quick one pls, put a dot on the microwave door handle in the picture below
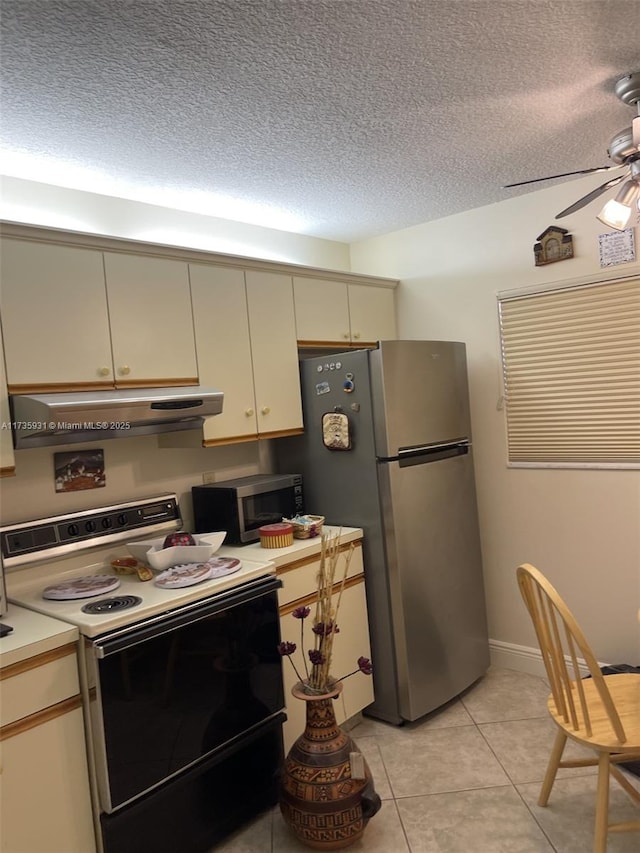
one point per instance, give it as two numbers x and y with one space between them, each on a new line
241 520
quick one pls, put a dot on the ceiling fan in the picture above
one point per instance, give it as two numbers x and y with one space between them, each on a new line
624 151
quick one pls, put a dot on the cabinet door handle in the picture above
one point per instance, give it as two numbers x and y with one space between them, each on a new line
356 335
265 410
249 412
124 370
104 371
346 336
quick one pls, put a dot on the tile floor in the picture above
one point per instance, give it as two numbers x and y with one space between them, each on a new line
465 779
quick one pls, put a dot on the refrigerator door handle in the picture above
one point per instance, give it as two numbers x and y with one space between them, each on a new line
430 452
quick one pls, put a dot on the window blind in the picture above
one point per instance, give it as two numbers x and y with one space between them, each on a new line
571 364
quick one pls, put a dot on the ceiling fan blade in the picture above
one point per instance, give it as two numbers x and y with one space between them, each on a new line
589 197
561 175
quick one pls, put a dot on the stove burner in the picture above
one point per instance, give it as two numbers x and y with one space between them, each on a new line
112 605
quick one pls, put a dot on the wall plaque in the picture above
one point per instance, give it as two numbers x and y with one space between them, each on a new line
554 244
617 247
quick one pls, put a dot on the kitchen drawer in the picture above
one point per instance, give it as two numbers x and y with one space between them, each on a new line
300 579
37 683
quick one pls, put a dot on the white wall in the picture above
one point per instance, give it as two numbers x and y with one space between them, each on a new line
72 210
580 527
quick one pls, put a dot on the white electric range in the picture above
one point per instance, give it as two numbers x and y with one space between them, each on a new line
41 553
182 687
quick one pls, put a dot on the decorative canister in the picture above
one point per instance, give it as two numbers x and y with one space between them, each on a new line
278 535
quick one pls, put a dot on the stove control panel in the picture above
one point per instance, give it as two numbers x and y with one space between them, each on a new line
64 534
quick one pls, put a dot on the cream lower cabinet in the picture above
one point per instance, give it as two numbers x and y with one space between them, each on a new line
245 337
338 313
45 805
352 641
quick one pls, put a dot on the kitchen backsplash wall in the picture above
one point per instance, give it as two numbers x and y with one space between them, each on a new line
134 468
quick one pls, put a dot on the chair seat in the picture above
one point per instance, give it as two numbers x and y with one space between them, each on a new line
625 692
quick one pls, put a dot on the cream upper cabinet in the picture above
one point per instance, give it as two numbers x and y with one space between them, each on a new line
274 350
224 350
77 318
7 458
54 316
336 312
322 310
151 321
245 337
372 313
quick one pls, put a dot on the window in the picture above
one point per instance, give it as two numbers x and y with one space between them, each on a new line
571 365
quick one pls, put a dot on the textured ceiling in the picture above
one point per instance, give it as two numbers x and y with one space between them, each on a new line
337 118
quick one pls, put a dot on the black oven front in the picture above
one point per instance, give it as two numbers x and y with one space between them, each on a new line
181 706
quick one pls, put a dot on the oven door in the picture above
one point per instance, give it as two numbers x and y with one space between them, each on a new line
170 692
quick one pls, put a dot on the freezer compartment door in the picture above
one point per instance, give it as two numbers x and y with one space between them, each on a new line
420 394
435 580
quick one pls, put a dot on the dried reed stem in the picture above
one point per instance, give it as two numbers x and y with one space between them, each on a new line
325 614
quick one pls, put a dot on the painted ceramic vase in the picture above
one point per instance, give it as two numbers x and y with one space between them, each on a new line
323 805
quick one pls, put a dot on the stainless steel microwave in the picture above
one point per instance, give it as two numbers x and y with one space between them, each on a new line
244 505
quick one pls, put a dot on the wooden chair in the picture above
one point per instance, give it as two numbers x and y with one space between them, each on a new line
601 712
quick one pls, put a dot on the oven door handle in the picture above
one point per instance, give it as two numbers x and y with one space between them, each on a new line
124 638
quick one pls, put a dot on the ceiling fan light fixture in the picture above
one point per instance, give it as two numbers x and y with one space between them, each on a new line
617 211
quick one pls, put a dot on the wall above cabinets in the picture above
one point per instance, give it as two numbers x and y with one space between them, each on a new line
83 312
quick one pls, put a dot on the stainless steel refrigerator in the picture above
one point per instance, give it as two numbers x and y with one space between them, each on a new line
387 447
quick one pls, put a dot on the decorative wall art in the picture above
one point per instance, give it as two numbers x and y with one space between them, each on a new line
78 470
617 247
554 244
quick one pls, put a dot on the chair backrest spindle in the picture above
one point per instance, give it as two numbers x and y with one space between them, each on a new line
561 640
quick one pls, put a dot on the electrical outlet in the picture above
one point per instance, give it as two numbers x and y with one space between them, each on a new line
209 477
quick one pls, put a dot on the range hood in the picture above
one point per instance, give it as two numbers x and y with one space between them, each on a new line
41 420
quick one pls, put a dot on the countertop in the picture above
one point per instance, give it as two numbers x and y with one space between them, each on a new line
300 549
33 633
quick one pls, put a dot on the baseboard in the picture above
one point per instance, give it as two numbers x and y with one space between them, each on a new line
523 658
